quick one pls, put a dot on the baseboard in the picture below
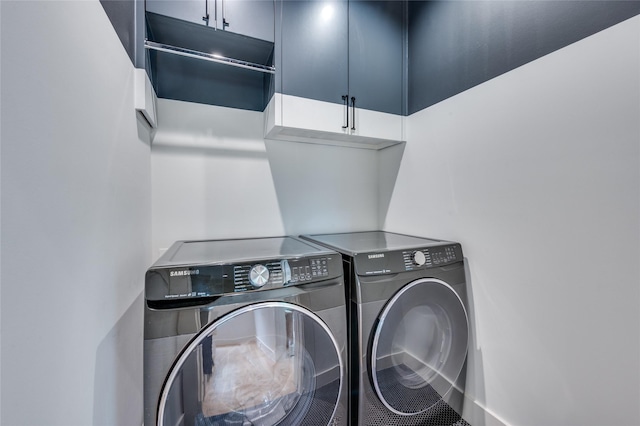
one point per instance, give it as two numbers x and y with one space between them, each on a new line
477 415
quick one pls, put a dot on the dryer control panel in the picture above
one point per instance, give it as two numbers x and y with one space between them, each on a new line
429 257
393 262
206 281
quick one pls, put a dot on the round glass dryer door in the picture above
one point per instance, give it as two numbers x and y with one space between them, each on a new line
419 346
271 363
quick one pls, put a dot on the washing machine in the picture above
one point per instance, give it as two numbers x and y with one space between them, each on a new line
245 332
409 329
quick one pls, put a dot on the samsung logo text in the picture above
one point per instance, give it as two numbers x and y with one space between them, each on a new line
184 273
376 256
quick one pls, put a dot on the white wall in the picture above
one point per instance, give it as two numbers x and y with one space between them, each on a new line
0 218
75 219
537 173
214 176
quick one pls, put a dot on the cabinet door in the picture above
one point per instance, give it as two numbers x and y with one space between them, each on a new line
314 50
313 72
377 66
252 18
186 10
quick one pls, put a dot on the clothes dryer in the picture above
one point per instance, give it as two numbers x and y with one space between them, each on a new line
408 329
245 332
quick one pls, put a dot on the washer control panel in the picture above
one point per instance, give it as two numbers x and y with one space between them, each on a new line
393 262
190 282
305 270
280 274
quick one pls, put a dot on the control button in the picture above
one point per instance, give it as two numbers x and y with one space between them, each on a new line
419 258
258 275
286 269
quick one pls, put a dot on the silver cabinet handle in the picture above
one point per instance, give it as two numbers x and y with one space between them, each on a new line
205 18
353 112
225 24
345 98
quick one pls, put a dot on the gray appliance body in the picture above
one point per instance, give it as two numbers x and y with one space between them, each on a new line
409 328
248 331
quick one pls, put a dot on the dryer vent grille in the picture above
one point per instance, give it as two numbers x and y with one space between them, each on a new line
402 398
376 414
439 415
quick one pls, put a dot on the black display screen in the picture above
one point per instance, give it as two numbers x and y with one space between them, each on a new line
211 281
189 282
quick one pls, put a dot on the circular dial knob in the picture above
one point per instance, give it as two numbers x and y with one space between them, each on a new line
419 258
258 275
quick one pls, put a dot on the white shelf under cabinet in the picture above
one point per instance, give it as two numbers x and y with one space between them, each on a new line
297 119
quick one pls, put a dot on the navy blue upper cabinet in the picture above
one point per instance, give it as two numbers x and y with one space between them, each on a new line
252 18
377 55
312 50
340 72
179 39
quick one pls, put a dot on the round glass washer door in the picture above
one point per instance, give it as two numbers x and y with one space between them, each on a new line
419 346
271 363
